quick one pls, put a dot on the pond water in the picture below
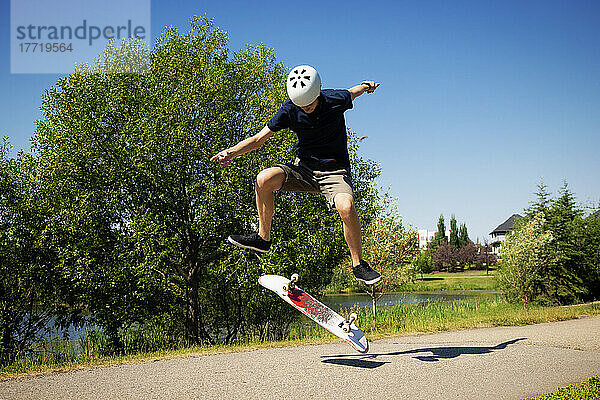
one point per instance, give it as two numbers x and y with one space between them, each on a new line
339 301
334 301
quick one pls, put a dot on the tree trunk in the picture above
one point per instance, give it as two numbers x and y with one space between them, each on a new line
194 328
526 303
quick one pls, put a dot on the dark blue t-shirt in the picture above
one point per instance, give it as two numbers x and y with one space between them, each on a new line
322 133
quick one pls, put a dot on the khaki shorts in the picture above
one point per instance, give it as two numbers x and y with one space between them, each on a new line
300 177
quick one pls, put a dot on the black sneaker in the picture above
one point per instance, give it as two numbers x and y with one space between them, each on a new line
250 241
363 272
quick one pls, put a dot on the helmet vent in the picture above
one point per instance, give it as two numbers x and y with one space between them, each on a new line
303 85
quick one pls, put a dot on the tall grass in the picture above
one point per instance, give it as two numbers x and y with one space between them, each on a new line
401 319
472 312
92 346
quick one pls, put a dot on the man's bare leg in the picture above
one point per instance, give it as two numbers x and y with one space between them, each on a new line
268 182
344 204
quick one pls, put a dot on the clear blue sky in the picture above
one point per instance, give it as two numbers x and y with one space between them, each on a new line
479 100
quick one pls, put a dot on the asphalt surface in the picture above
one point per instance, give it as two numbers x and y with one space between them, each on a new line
489 363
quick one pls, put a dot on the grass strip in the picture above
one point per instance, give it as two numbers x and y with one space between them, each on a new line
397 320
589 390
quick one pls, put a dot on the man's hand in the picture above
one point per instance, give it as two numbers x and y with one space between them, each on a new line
252 143
364 87
371 86
223 157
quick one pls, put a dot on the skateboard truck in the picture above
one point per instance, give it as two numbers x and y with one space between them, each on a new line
291 284
346 324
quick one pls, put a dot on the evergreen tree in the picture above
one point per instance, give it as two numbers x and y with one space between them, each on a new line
440 236
463 235
542 204
589 243
563 282
441 228
454 233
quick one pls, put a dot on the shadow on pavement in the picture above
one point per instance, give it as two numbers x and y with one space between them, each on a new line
437 354
355 362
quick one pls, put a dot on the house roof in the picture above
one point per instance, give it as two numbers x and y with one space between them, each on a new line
507 225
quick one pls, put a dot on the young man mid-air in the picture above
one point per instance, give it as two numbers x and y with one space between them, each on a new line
322 162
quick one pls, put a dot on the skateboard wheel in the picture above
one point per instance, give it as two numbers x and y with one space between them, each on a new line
286 287
346 328
353 317
295 277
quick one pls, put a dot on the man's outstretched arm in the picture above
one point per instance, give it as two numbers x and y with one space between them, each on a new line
252 143
366 86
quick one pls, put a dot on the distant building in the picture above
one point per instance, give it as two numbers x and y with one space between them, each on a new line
499 234
426 237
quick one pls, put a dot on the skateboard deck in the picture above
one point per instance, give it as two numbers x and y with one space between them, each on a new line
316 311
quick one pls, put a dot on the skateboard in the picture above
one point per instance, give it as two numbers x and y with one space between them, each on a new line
343 328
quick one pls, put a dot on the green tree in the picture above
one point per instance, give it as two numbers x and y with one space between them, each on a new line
126 162
463 236
424 264
440 237
32 292
589 243
572 277
526 255
564 283
454 241
542 203
139 213
391 250
441 227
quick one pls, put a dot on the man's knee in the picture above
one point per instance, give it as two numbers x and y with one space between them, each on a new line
344 204
270 179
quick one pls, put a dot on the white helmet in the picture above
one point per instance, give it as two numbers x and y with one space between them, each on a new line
303 85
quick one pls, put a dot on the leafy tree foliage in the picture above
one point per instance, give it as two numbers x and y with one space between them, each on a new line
526 255
441 235
390 249
424 264
441 226
445 257
136 213
589 244
454 241
467 254
463 236
32 292
456 252
573 275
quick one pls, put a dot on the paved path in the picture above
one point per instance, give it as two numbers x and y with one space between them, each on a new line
489 363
